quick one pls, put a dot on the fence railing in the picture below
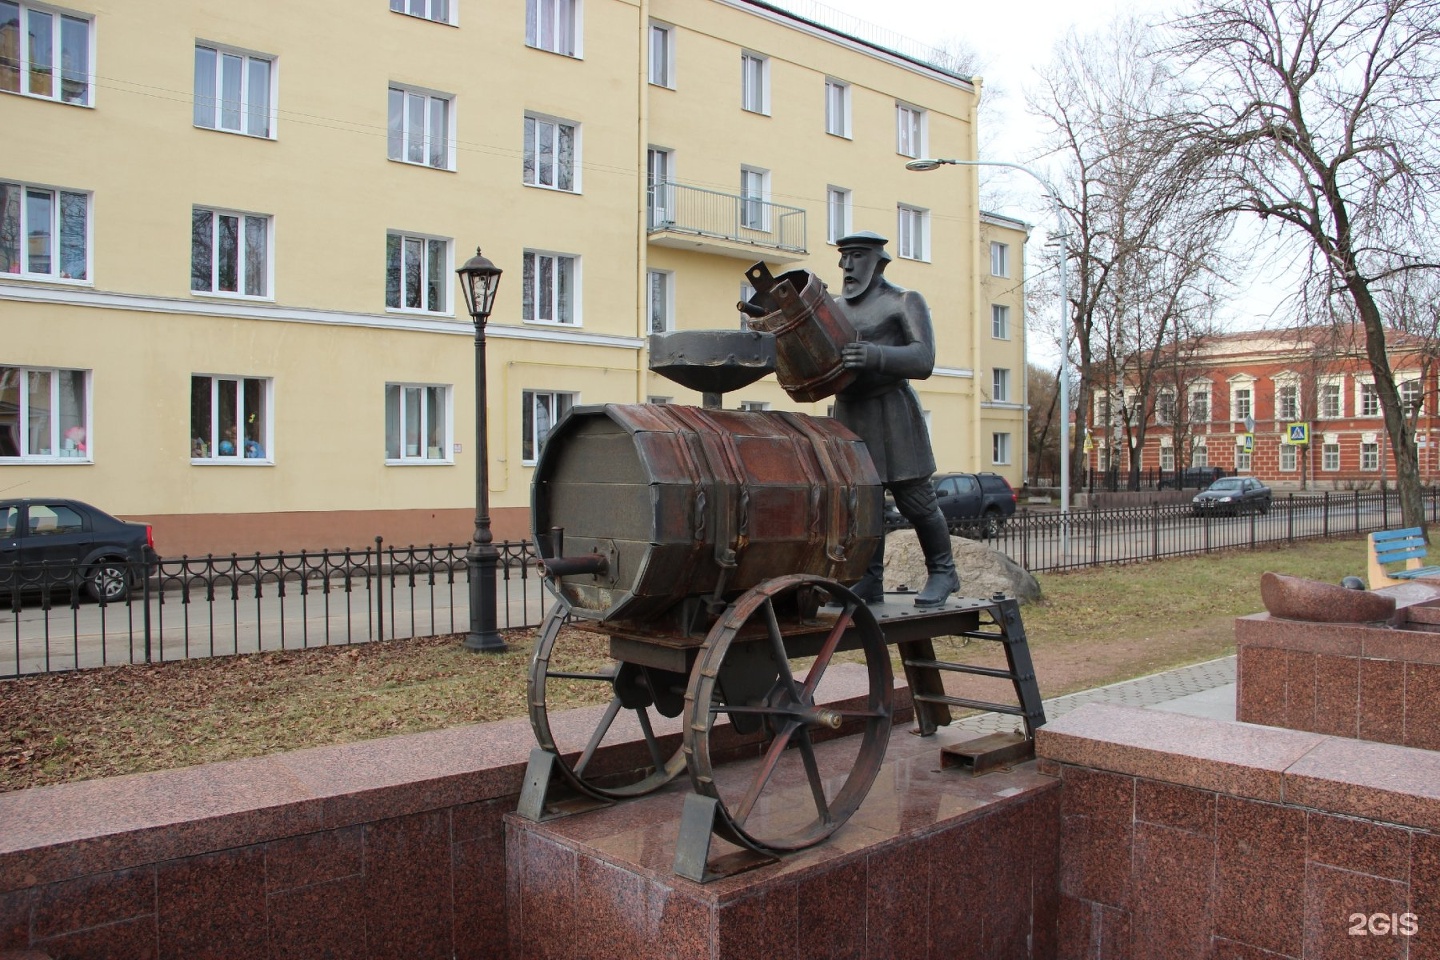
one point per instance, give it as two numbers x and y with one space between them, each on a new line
218 606
680 208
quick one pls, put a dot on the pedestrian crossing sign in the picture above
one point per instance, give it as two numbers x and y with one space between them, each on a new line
1247 443
1297 433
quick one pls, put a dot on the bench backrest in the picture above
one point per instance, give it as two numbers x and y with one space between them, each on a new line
1393 545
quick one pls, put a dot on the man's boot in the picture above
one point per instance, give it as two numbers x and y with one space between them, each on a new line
934 539
871 587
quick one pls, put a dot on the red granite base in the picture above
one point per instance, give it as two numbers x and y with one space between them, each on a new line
933 864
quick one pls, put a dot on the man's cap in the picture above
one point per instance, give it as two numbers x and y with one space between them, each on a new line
865 238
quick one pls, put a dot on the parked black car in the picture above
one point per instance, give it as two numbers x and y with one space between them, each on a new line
1233 495
974 504
45 543
1193 478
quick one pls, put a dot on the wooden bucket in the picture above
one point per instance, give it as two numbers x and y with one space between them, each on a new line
810 332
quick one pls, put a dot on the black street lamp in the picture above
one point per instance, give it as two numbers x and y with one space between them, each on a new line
479 278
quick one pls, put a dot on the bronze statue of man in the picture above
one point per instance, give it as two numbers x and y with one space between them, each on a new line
896 345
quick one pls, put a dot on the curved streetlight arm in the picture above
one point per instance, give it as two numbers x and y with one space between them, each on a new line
935 164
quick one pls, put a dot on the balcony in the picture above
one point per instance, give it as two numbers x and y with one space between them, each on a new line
692 218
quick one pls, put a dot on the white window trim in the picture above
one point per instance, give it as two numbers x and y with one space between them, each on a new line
451 19
268 444
922 216
55 257
1335 381
667 308
448 394
922 133
763 199
576 320
1325 460
575 152
58 75
746 55
834 231
577 31
1004 318
23 419
1284 382
845 129
1004 248
1001 439
1000 377
1236 384
269 295
1291 451
450 114
272 112
667 79
525 411
1366 448
447 307
1360 384
1193 391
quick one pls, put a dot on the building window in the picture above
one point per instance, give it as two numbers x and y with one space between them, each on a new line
661 300
1332 401
550 153
837 206
1000 448
44 233
1330 456
551 25
229 418
1242 459
229 253
1000 385
1289 458
417 273
662 54
1240 406
747 293
550 287
837 108
417 423
1411 396
1369 401
660 177
999 321
44 413
754 197
1165 408
999 259
419 130
1167 458
437 10
1200 455
914 233
755 83
1369 456
909 130
1287 402
232 91
1200 406
542 410
54 60
754 406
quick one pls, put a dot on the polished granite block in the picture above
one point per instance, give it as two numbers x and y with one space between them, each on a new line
935 863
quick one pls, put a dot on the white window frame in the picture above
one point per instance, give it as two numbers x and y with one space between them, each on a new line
999 321
1412 395
1323 393
436 11
1199 453
532 403
403 395
1000 449
73 443
911 130
554 26
913 233
837 108
1203 394
1370 456
401 137
662 54
1330 457
537 300
754 210
210 112
1289 458
1000 384
59 73
1167 458
1287 394
215 431
999 259
540 128
660 300
17 246
1366 390
754 83
1165 408
1242 401
404 242
1243 459
243 266
838 208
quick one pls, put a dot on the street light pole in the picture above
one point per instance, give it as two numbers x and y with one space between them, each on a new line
479 279
925 165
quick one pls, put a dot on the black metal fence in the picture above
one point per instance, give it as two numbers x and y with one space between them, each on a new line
218 606
215 606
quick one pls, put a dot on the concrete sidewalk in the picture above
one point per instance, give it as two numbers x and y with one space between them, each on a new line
1202 690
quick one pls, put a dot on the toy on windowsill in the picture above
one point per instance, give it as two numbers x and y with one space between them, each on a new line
74 445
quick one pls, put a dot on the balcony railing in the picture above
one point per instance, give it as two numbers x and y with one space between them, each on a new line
736 221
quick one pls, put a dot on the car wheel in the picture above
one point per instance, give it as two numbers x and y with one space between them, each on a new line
109 581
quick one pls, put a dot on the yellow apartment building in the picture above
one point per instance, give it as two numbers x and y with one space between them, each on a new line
228 235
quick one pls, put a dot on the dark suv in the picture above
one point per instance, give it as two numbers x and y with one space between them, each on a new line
974 504
47 543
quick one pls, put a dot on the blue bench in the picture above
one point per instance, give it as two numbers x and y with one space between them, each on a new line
1393 546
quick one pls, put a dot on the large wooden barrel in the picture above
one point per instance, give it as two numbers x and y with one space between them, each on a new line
682 500
810 332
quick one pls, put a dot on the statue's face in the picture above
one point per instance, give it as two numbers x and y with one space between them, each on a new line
857 267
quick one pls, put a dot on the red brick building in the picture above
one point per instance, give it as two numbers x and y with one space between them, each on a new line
1203 406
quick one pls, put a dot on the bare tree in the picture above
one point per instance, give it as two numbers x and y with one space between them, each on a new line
1320 116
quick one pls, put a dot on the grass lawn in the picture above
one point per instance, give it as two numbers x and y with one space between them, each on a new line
1093 627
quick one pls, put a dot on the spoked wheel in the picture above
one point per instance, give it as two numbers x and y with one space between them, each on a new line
578 670
796 795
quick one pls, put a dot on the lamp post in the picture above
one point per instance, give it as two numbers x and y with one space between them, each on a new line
479 279
925 165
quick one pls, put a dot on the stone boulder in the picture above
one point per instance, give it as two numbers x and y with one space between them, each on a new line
983 571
